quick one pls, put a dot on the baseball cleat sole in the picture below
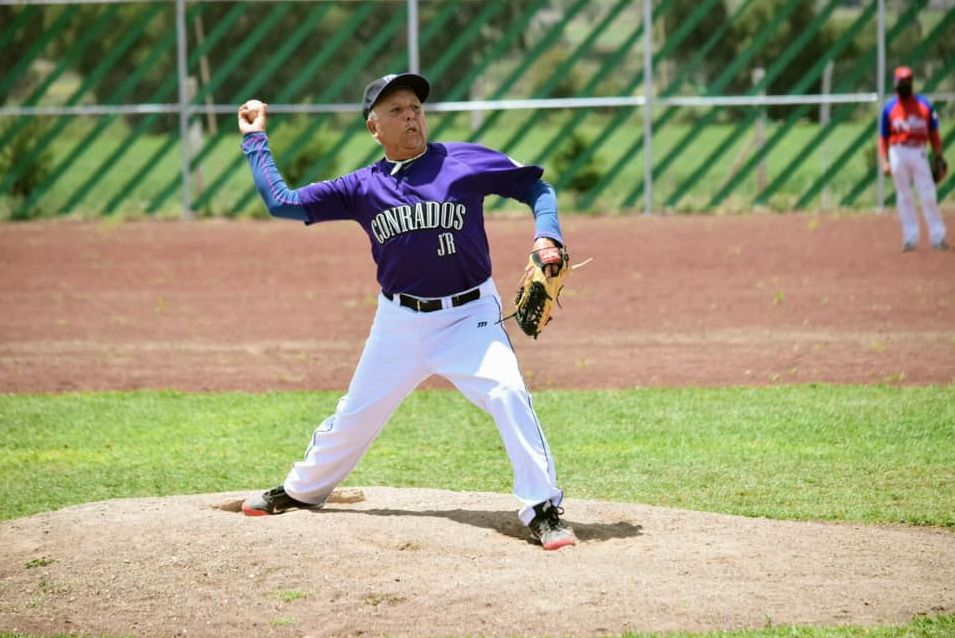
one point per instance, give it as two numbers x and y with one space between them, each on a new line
564 540
251 511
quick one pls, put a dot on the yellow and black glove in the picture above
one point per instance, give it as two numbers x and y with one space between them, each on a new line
539 289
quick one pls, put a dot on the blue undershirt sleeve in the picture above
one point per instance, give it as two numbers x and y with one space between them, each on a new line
279 199
543 201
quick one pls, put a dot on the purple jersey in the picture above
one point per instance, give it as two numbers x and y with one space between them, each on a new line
425 220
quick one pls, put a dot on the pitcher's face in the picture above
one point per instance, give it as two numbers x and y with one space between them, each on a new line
399 125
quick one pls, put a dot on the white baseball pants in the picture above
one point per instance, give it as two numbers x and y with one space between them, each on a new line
910 168
465 345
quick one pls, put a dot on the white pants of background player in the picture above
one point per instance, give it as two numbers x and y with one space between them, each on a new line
910 168
465 345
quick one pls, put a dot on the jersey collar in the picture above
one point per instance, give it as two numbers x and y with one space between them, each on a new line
398 164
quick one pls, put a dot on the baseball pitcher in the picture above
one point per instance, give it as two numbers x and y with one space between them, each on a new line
438 312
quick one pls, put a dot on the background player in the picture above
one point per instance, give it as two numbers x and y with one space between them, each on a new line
908 123
438 311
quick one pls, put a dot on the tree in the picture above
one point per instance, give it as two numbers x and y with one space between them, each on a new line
754 21
30 19
678 14
149 29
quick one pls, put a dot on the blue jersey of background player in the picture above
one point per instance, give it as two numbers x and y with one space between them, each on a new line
422 206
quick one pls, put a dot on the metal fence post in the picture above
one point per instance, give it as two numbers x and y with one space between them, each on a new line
825 112
880 83
647 107
183 72
414 64
759 140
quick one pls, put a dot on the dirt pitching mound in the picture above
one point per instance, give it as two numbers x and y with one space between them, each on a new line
416 562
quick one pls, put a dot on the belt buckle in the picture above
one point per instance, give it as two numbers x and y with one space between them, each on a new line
416 303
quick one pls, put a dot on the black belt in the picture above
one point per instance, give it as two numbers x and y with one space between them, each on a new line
430 305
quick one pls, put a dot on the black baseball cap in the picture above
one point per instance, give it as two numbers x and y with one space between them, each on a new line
379 87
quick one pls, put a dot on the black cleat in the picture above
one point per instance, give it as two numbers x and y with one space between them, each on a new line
274 501
549 529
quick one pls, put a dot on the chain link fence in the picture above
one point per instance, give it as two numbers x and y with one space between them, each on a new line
127 107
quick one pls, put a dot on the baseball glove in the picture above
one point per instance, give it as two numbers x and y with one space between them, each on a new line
539 289
939 168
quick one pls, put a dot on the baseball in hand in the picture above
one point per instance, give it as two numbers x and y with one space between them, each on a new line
252 109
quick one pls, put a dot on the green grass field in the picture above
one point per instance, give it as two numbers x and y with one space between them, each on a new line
859 454
865 454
